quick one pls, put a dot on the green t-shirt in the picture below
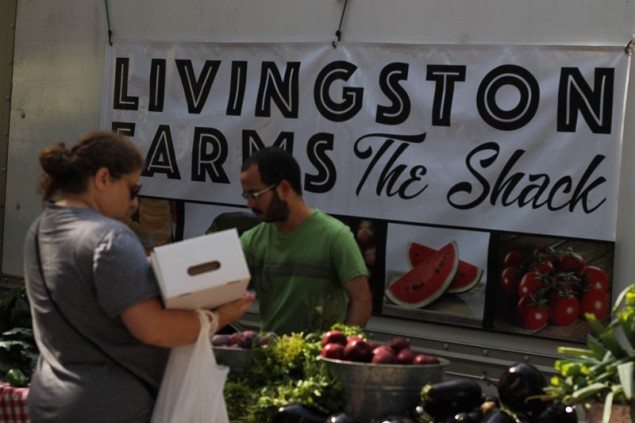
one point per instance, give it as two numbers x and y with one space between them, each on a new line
299 277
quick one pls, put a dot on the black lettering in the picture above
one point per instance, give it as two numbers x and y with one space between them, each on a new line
161 157
252 142
237 88
125 128
539 192
445 77
208 155
351 97
399 110
326 175
196 90
283 91
576 96
466 187
523 112
157 85
121 99
390 175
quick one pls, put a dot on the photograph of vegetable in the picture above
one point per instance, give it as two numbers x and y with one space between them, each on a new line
544 286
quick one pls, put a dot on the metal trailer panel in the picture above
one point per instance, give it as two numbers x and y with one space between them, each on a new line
58 81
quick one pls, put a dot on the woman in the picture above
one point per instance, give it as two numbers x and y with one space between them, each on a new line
102 331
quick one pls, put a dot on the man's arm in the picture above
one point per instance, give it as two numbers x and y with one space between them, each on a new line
360 300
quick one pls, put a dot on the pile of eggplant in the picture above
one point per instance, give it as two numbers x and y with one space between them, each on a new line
520 400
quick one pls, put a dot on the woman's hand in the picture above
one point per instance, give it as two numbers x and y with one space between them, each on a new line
233 310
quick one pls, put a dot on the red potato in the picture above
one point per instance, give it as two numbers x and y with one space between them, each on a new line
335 351
406 356
425 359
334 336
398 343
383 355
358 350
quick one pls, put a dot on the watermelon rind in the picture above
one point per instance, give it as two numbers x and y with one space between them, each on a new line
460 283
442 287
459 286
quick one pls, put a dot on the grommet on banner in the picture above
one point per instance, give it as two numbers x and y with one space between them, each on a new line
629 46
338 33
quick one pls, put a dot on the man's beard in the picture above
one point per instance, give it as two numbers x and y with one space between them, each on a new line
278 210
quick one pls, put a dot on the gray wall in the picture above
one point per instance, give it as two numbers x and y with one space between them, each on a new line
59 66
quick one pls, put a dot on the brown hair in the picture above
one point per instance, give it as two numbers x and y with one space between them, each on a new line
68 171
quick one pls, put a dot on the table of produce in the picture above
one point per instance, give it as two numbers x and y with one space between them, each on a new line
343 376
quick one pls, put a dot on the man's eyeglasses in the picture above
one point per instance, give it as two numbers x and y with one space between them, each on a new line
134 191
254 195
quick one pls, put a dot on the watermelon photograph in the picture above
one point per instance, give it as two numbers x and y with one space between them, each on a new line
543 286
435 274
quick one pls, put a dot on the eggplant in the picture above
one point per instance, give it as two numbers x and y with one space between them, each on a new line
295 413
469 417
444 399
517 383
556 412
498 416
339 418
395 419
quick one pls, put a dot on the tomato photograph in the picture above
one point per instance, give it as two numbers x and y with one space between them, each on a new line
544 286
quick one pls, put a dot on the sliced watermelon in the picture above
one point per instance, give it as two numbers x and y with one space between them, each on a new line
427 281
466 277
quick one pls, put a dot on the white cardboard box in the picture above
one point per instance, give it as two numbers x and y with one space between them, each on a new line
201 272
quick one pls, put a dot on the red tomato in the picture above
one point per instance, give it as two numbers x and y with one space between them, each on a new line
509 280
563 310
595 301
524 302
544 267
514 258
595 278
534 317
570 262
530 283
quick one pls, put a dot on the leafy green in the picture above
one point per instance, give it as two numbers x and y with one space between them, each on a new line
17 344
604 371
285 372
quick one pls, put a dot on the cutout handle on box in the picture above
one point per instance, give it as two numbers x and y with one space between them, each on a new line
209 266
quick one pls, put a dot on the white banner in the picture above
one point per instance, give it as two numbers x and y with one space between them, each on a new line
512 138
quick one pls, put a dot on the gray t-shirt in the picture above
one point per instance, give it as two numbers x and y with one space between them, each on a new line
95 268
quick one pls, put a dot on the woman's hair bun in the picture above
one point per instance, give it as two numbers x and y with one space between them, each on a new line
56 161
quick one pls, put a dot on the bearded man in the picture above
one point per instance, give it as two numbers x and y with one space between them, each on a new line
306 267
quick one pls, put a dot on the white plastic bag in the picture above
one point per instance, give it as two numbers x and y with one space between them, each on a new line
192 387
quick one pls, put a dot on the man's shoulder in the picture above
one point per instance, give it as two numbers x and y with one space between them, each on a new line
259 230
328 222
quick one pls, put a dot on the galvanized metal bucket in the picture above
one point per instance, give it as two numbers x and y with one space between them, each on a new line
238 360
373 391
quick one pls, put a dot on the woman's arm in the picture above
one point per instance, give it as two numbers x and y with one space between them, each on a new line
152 324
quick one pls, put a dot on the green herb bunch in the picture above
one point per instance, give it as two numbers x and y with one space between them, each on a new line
285 372
603 371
